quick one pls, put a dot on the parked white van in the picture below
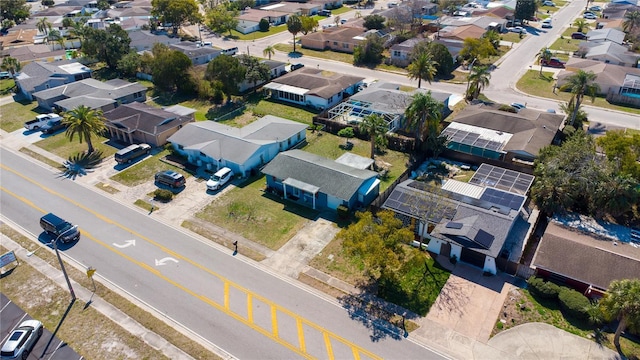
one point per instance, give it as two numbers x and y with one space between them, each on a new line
219 179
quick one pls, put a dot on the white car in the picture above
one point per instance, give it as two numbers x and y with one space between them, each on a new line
219 179
22 340
518 30
590 16
549 3
546 23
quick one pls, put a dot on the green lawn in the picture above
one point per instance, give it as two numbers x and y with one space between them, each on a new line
60 145
328 145
144 170
284 110
236 35
340 10
532 83
566 44
6 85
510 36
247 210
329 55
14 115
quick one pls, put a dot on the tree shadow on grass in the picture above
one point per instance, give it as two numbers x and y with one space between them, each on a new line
81 164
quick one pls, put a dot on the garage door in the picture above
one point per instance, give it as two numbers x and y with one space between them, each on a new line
472 257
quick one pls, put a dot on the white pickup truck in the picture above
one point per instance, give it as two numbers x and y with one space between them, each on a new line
41 121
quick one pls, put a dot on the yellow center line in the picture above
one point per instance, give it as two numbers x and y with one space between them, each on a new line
301 335
328 335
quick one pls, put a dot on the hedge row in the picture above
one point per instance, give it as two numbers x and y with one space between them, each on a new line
571 302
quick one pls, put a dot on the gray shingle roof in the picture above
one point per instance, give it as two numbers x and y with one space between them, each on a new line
144 118
389 98
335 179
584 258
93 88
234 144
38 72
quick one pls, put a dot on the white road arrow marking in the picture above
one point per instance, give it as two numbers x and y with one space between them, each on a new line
163 261
127 243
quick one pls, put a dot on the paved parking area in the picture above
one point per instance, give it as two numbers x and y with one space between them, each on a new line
11 316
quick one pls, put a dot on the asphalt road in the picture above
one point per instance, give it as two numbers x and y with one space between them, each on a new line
229 301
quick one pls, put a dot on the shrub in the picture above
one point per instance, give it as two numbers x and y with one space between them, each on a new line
163 195
543 289
573 303
263 25
508 108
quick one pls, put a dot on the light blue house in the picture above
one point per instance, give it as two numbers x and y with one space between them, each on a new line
320 183
210 144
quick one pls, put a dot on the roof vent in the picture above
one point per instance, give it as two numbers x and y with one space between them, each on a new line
454 225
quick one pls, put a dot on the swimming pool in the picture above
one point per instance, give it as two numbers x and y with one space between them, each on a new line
632 95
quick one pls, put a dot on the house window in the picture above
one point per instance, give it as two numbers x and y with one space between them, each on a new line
397 53
330 99
180 147
335 43
345 46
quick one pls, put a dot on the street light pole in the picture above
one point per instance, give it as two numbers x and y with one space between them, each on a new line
64 271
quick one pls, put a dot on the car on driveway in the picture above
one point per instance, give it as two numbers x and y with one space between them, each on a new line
549 3
590 16
170 178
553 62
219 179
579 36
296 66
595 8
546 23
518 30
22 340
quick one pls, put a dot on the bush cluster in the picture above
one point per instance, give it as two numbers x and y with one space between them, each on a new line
543 289
572 303
163 195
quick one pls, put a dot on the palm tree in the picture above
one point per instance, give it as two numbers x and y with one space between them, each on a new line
55 36
294 25
268 51
631 21
422 116
622 302
79 30
544 54
478 79
12 65
374 125
85 122
43 26
422 67
580 84
581 24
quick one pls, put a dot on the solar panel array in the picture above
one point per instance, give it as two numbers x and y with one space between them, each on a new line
503 198
484 239
409 202
500 178
471 139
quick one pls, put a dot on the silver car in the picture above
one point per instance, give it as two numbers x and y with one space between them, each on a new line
22 340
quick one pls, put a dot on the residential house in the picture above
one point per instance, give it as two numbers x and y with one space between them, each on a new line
40 52
328 4
584 261
484 22
314 87
603 35
460 33
249 19
320 183
608 52
609 77
343 39
618 10
18 37
136 122
295 8
92 93
144 40
198 55
243 150
401 53
36 76
484 132
384 99
478 222
276 68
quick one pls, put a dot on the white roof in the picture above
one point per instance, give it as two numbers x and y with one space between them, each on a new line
486 134
463 188
286 88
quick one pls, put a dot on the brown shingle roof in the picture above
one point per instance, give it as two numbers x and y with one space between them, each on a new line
341 34
318 82
578 256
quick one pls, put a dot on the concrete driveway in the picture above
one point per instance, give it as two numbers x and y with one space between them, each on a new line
470 303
